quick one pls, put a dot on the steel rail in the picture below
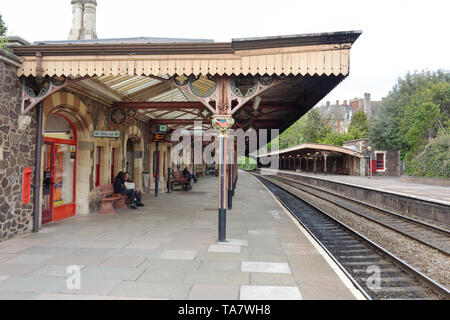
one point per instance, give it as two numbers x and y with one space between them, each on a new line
383 211
436 287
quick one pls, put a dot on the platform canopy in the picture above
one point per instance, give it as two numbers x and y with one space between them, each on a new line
307 149
140 75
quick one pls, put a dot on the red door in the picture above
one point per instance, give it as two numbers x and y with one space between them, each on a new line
59 180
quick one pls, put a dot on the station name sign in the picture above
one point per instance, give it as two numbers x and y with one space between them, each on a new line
107 134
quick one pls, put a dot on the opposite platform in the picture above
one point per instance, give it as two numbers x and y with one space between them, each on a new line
169 250
394 185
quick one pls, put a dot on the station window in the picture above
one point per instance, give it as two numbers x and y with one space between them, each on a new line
381 161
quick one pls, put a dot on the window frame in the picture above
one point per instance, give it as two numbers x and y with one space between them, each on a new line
376 153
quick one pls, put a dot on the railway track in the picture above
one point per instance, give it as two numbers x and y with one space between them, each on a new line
430 235
363 261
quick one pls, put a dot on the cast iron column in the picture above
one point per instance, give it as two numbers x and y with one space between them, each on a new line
222 122
157 170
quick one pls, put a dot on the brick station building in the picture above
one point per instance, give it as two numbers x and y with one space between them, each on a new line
77 92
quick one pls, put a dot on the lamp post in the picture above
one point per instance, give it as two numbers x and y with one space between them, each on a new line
369 148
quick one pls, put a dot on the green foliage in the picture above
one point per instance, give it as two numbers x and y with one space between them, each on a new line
314 127
4 44
434 161
291 137
335 139
247 164
358 126
3 27
413 112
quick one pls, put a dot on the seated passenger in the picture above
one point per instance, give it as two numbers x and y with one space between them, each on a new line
137 191
188 175
119 188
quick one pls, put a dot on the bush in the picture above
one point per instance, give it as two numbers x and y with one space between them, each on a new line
247 164
434 161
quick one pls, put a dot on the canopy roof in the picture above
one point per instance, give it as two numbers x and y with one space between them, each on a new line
308 149
135 72
326 53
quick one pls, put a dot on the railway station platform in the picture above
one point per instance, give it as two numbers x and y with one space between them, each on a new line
169 250
394 185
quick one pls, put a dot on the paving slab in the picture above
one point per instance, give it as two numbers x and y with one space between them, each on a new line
217 277
17 296
272 279
162 252
58 271
265 267
89 286
29 259
213 292
33 285
17 269
152 290
208 265
112 273
7 256
123 261
163 276
75 260
270 293
178 254
170 264
224 248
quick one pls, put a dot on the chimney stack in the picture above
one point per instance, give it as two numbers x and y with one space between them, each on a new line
328 103
84 20
367 105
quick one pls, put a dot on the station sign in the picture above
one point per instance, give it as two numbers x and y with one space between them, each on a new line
163 128
106 134
366 156
159 137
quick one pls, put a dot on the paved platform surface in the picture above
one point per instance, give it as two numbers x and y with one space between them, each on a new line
389 184
169 250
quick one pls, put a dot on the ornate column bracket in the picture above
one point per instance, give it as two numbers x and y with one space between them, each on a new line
49 86
211 89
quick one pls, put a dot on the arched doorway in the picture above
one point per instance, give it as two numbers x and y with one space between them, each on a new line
59 166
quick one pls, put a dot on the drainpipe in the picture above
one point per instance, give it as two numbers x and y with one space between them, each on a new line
37 182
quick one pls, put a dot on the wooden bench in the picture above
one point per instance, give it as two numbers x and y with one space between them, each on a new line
178 179
110 200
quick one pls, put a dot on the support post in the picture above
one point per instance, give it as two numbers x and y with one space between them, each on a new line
37 173
315 164
222 188
230 172
157 170
222 123
325 155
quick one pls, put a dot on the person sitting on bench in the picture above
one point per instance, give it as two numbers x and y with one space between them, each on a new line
188 175
136 191
119 188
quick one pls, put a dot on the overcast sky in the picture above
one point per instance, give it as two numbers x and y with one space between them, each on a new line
398 36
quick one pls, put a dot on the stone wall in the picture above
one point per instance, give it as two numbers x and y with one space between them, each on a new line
17 151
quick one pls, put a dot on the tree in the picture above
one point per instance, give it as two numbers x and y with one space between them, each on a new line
312 131
3 27
434 161
358 126
413 112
